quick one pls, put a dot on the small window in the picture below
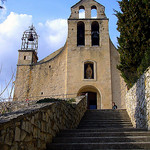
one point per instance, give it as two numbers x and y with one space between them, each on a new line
25 57
41 93
50 66
93 12
88 70
81 12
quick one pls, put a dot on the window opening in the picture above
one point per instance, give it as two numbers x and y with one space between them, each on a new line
25 57
93 12
81 12
95 33
80 34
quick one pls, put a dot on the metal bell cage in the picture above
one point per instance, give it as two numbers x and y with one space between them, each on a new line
30 39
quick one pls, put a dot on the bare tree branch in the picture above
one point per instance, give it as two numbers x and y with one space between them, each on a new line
1 7
7 85
0 69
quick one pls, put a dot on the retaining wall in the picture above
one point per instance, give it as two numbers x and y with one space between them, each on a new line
33 128
138 102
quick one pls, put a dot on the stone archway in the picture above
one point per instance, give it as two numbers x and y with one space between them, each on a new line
94 97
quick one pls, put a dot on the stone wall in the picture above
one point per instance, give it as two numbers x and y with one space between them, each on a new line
43 79
63 72
138 102
11 106
118 84
34 127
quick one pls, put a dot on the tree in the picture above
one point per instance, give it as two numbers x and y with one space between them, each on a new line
134 41
1 7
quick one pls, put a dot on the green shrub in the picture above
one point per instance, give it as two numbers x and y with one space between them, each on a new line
48 100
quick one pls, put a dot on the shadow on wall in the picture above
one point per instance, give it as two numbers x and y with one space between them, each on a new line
141 104
118 85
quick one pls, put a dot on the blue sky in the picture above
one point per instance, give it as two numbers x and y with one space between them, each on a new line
50 20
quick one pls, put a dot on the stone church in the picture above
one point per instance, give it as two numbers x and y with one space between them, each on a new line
85 64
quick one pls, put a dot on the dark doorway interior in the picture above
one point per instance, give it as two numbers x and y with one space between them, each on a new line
92 100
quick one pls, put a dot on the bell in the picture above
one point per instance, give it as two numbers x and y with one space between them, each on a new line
95 34
80 34
30 37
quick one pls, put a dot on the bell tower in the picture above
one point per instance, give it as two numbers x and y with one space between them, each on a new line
89 47
83 25
28 52
26 59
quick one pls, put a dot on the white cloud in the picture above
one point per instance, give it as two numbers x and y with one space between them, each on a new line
52 35
11 30
82 14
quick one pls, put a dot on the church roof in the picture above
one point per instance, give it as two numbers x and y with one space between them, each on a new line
82 1
53 55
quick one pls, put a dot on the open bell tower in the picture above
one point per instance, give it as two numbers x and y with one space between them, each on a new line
26 59
88 58
28 52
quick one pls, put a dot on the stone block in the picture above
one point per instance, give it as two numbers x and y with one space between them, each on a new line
4 147
17 134
28 138
32 120
23 135
8 139
14 146
35 134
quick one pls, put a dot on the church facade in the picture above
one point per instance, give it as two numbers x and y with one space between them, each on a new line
85 64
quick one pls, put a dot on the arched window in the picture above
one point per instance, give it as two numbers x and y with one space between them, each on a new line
81 12
93 12
88 70
95 33
80 34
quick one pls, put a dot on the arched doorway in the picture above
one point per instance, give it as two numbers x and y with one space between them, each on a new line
93 98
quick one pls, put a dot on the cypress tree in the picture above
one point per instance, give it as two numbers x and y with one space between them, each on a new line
134 41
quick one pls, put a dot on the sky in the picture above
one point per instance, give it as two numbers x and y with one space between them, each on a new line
50 20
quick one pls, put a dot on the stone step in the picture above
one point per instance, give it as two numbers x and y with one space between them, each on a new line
102 129
106 117
105 123
102 139
104 126
106 110
106 130
104 120
102 134
98 146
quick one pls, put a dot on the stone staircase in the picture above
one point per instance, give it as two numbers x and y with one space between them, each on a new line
102 129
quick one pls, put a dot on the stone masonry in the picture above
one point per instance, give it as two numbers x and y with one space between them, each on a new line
63 72
32 128
138 102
